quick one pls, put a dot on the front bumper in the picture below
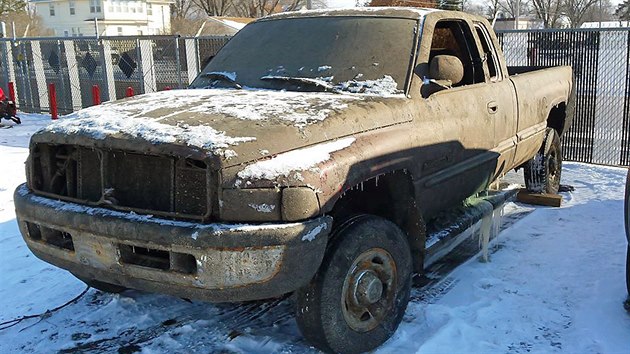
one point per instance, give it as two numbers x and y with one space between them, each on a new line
211 262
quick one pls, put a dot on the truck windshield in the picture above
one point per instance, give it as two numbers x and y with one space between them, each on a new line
350 54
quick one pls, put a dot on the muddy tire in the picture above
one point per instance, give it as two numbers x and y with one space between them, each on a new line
542 173
358 297
102 286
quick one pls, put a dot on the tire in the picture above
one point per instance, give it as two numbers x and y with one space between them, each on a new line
102 286
543 172
367 266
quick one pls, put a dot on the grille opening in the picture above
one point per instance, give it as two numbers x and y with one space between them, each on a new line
56 238
158 259
55 169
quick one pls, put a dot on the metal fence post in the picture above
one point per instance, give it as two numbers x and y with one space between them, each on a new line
7 63
26 79
40 77
73 75
179 63
192 58
108 69
147 65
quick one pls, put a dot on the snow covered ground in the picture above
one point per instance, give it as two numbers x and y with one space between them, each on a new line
554 284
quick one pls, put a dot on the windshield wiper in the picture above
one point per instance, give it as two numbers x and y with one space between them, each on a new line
228 77
304 80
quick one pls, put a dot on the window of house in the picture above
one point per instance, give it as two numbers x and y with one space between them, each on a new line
149 9
120 31
490 55
140 9
51 8
66 33
72 8
73 32
125 8
95 6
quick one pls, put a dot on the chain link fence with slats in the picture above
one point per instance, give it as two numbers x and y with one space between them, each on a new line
74 65
600 60
601 64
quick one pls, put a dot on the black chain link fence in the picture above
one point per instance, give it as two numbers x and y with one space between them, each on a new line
601 64
600 60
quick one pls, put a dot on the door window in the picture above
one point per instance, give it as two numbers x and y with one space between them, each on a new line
490 55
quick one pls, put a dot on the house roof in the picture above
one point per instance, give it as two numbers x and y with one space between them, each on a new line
236 23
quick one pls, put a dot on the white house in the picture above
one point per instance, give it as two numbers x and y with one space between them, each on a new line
114 17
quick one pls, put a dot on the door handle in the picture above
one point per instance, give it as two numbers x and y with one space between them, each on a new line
493 107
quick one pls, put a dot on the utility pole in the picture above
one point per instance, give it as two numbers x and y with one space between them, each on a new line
518 13
600 14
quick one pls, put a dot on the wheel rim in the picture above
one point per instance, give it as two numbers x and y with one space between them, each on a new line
369 290
553 169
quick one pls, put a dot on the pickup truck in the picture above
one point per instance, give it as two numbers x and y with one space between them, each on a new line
305 158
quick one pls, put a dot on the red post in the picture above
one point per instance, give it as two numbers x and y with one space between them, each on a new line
129 91
96 95
12 92
52 95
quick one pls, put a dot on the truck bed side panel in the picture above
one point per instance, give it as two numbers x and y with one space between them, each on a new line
537 92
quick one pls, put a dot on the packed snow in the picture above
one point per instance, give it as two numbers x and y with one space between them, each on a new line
293 161
139 116
554 283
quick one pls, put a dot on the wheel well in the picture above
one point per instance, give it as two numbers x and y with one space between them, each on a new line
557 117
390 196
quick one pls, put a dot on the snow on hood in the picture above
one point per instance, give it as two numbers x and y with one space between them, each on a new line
167 116
297 160
293 161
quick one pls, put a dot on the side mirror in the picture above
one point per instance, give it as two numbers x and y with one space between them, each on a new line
448 70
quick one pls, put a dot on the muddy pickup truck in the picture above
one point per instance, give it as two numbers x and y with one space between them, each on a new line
305 158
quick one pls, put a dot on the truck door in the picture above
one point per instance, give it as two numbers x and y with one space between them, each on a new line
502 107
460 116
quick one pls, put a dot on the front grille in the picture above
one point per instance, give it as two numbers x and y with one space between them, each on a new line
167 186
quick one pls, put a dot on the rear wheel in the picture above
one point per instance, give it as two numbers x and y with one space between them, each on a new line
358 297
543 172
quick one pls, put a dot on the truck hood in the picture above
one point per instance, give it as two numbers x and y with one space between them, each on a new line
224 126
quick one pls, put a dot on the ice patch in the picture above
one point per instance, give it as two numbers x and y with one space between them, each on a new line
381 87
311 235
297 160
262 208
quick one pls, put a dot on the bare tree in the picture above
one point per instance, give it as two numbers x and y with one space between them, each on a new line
549 11
26 23
575 10
7 6
623 11
492 8
260 8
215 7
181 9
508 7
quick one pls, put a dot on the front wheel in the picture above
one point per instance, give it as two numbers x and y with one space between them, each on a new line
358 297
542 173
